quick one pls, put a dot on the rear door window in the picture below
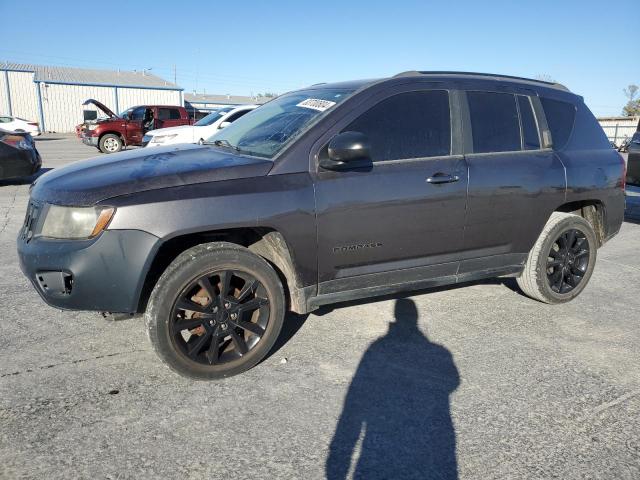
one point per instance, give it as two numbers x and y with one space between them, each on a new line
494 122
168 114
530 136
560 118
407 125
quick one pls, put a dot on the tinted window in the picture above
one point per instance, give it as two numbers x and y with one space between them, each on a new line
531 139
494 122
237 115
168 114
560 117
137 114
408 125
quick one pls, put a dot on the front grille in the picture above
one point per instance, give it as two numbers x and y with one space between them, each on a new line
33 210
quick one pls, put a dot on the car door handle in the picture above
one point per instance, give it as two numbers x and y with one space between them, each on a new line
443 178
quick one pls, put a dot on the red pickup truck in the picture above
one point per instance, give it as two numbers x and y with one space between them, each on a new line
111 134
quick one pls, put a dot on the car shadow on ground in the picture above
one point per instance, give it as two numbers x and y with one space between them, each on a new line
49 139
24 180
396 419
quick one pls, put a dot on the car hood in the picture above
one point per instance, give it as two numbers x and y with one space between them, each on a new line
90 181
100 106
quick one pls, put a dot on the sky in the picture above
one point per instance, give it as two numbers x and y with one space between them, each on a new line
248 47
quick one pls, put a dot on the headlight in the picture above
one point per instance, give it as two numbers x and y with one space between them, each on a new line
92 127
163 138
76 222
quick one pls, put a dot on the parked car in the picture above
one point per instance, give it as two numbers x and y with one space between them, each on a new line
19 125
112 134
328 194
633 160
199 131
18 155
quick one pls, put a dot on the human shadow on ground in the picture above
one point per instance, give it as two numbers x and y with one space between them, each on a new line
396 420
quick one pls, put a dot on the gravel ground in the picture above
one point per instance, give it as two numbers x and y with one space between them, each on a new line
471 382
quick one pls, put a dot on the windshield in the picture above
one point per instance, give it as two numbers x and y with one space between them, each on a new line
125 114
265 131
212 117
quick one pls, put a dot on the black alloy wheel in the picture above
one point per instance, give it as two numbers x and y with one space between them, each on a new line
568 261
220 317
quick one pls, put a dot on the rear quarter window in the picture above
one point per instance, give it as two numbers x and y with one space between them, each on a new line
560 117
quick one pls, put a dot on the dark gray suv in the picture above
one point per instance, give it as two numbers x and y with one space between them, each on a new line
331 193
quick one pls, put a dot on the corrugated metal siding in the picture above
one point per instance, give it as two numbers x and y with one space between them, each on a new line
24 102
4 101
62 104
619 128
130 97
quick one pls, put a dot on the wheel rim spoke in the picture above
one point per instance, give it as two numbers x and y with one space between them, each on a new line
553 263
248 287
253 304
251 327
213 353
241 345
190 305
196 347
578 246
189 324
581 254
225 278
205 283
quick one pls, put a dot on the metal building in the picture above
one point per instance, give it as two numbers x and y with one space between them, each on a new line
619 128
204 102
53 96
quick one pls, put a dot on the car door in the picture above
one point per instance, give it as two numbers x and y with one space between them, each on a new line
168 117
515 179
402 221
134 126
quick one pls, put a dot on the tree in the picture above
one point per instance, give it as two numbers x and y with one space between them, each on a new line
545 77
632 108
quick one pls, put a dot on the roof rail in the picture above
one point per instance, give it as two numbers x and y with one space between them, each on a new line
416 73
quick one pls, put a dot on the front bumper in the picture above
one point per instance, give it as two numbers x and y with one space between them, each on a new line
91 141
102 274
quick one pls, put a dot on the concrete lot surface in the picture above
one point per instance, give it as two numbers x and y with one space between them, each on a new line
471 382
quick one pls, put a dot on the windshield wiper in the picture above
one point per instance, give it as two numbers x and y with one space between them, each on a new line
221 142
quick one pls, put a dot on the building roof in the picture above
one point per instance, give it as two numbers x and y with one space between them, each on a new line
224 99
86 76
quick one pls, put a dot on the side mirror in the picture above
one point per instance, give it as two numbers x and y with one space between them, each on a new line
224 125
347 151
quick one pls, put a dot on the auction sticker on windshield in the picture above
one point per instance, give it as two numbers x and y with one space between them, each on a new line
316 104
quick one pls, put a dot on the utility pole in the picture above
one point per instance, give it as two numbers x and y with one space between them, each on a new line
175 75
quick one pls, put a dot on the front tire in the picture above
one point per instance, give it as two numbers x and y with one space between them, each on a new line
215 312
110 143
562 260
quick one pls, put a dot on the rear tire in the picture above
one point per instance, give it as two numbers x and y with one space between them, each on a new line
238 310
110 143
562 260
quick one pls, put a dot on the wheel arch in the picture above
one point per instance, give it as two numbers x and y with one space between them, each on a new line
113 132
263 241
591 210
